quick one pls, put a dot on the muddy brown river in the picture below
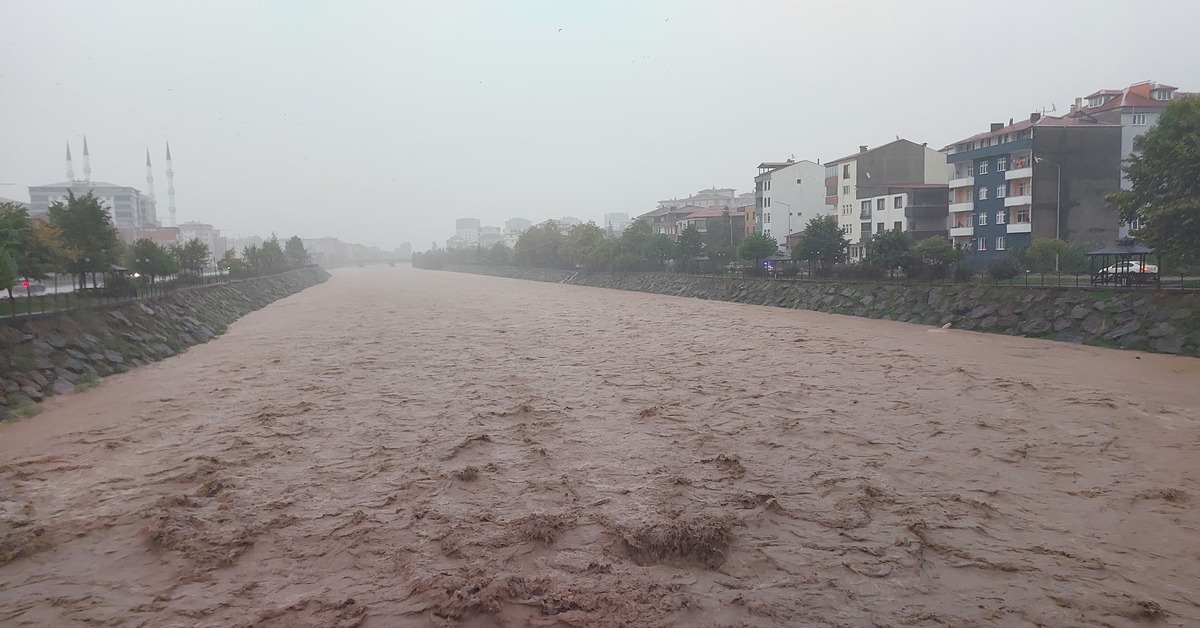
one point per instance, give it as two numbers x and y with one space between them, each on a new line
412 448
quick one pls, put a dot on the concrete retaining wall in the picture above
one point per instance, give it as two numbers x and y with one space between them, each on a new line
1149 321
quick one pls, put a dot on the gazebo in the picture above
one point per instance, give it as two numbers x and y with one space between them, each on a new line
1122 264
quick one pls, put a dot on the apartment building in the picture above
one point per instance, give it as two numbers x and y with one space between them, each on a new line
1135 108
787 194
1044 177
868 175
920 210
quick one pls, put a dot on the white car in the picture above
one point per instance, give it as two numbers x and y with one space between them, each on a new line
1130 268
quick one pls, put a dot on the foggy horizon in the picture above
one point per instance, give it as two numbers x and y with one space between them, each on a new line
379 123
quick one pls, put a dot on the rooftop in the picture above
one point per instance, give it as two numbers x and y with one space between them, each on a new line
82 185
864 151
1136 95
1033 120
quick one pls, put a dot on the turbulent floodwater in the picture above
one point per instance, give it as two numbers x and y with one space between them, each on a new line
410 448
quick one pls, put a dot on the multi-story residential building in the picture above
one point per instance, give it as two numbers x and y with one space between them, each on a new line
490 236
665 220
712 197
466 232
404 251
517 225
703 219
203 232
787 195
129 208
868 174
920 210
1044 177
749 217
1136 109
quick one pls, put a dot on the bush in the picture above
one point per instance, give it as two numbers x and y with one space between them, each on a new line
859 272
964 273
1003 269
790 272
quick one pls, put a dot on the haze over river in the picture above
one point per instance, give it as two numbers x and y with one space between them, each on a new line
400 447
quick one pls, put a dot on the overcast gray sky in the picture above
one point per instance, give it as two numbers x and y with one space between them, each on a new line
381 122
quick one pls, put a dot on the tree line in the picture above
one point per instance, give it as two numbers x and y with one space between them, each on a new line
77 237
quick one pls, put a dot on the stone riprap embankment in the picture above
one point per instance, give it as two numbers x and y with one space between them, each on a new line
54 353
1163 322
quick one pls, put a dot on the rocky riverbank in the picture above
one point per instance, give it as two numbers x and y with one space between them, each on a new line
56 353
1163 322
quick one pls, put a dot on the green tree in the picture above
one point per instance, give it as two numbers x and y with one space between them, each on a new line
151 260
19 234
229 263
584 247
889 250
295 252
756 247
252 258
500 255
689 245
272 255
718 232
193 256
540 246
822 242
87 230
660 248
1165 179
1039 257
937 254
8 271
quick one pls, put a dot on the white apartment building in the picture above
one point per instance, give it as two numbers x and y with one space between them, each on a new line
787 195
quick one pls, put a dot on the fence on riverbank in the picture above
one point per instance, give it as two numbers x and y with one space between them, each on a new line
26 306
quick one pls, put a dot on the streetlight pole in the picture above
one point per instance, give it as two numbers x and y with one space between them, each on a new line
1057 203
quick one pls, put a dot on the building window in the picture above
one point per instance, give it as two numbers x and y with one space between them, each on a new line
845 189
1001 191
898 225
880 204
1002 164
846 171
898 202
982 219
866 206
983 165
1000 217
1139 119
830 171
1021 215
879 228
999 243
983 194
982 244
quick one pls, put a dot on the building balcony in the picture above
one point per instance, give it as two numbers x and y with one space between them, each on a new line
962 182
1015 201
968 206
1020 227
959 232
1019 173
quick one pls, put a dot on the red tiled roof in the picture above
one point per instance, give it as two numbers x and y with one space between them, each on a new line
709 212
1136 95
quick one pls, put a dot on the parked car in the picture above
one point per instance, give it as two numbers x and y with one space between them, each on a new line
1128 268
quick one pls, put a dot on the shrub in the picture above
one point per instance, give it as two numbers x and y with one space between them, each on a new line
1003 269
860 272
